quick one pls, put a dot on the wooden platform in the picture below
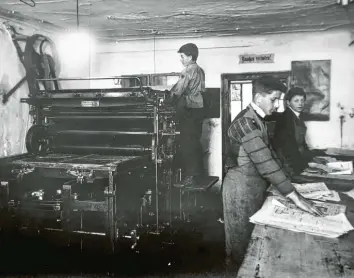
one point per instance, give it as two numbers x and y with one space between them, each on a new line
201 183
277 253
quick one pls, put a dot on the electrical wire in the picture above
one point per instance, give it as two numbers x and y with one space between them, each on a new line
77 15
31 3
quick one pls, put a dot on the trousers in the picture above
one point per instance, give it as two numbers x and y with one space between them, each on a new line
243 195
191 151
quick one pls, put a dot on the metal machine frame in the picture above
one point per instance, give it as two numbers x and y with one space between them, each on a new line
160 208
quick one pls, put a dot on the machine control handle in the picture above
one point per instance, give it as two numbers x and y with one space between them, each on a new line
82 175
109 193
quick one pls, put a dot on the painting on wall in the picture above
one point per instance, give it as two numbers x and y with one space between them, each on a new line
315 78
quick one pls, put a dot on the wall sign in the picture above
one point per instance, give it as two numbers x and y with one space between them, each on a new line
256 58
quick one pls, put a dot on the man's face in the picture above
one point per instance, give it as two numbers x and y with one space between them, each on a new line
297 103
185 60
269 103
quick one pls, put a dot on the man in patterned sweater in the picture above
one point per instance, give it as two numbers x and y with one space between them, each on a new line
252 166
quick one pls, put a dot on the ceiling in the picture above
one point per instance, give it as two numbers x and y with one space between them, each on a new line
121 19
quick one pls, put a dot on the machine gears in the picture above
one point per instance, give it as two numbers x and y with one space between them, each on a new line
37 140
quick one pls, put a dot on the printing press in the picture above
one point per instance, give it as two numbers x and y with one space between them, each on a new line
99 162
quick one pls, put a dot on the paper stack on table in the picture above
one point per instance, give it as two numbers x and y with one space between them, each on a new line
329 166
315 190
281 213
323 159
340 167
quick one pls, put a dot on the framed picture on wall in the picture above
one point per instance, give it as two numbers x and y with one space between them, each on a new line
315 78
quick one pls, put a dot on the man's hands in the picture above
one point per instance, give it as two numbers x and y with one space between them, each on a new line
170 99
304 204
167 93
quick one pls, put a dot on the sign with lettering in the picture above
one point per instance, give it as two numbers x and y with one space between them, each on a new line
256 58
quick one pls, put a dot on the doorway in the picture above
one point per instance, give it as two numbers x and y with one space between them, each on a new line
240 96
236 92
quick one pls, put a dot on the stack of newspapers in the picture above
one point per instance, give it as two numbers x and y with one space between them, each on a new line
279 212
330 166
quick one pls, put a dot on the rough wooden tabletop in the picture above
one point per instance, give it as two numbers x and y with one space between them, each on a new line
279 253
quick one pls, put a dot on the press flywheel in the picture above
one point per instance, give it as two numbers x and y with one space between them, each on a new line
37 140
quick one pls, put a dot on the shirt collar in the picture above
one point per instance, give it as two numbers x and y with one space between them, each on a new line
296 113
258 110
190 63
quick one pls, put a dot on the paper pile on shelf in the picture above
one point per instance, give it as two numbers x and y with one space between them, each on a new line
330 166
340 167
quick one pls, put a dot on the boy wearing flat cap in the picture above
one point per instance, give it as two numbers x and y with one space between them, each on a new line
187 94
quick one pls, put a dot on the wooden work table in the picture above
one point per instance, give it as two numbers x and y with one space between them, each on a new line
278 253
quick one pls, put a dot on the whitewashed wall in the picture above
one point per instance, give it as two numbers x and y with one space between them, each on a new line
14 115
219 55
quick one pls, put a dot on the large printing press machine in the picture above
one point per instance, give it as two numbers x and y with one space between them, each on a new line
99 162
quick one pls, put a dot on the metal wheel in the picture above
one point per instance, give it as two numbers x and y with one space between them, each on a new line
37 140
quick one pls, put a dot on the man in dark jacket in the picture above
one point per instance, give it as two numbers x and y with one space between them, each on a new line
289 140
187 95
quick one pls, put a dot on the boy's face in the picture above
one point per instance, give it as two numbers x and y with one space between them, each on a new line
185 60
297 103
269 103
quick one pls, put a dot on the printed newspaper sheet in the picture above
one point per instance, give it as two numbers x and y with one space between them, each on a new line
280 212
315 190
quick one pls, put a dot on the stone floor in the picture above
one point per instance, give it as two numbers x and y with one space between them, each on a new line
43 255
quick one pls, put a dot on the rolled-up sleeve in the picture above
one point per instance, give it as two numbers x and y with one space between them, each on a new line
191 85
182 84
